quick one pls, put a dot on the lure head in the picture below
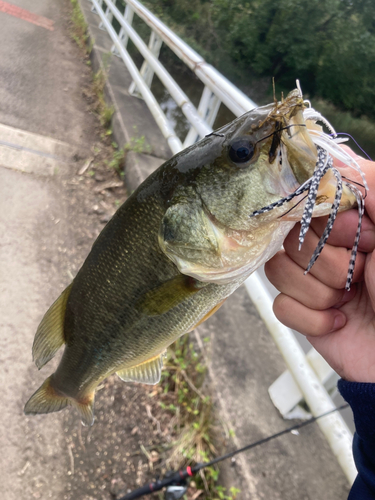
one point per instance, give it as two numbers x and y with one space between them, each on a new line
252 162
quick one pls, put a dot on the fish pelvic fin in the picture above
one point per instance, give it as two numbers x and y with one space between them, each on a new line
49 336
85 409
48 400
148 372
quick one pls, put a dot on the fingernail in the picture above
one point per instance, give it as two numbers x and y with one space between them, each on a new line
339 322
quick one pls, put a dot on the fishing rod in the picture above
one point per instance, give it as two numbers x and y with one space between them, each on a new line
176 482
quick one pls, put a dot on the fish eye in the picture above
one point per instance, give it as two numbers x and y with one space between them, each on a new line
241 150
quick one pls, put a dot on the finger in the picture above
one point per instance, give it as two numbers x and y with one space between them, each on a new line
332 265
368 168
289 279
370 278
305 320
344 231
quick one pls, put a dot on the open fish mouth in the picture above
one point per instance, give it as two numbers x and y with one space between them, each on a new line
327 148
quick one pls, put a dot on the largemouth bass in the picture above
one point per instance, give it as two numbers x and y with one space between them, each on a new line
180 245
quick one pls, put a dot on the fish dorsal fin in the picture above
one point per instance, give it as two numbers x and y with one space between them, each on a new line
148 372
49 336
169 294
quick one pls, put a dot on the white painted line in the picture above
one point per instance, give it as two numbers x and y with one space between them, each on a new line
33 153
36 142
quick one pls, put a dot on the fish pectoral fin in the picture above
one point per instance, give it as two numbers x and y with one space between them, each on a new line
49 336
148 372
169 294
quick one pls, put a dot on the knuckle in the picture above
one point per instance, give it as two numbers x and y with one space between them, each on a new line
327 298
281 308
339 278
273 266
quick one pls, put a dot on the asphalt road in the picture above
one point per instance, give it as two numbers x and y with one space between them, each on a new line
40 92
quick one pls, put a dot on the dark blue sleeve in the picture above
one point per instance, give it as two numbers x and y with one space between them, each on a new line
361 398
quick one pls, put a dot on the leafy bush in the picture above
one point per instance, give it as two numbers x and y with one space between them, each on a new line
329 46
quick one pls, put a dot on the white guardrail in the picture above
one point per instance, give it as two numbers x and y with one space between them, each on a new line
307 376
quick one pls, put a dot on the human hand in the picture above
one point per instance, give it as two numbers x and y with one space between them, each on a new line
339 324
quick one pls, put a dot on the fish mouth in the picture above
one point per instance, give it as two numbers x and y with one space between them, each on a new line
296 142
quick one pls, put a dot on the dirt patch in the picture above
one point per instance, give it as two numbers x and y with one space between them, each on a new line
140 433
107 459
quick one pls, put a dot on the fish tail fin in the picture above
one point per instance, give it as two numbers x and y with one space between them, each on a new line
49 336
45 400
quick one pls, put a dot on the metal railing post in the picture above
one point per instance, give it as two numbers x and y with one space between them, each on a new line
109 16
170 84
208 108
333 426
168 132
124 38
147 72
93 8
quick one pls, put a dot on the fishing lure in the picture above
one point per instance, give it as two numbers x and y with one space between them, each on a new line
327 148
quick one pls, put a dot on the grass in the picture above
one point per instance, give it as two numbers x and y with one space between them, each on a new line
118 160
79 33
104 111
79 26
193 420
137 143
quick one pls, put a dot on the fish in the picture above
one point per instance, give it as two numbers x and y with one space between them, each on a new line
185 240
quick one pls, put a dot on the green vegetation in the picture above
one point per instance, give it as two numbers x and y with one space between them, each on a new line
80 36
99 80
79 26
105 112
118 159
137 143
329 46
194 423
